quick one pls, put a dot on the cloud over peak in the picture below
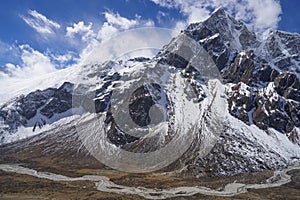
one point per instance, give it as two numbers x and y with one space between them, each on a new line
260 14
115 23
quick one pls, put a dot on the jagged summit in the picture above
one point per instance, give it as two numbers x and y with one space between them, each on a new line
217 15
219 11
282 51
223 35
280 32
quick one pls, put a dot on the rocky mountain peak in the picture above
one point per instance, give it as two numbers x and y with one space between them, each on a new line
218 16
233 33
282 51
267 69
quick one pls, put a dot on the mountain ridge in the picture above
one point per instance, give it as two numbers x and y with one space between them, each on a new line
261 89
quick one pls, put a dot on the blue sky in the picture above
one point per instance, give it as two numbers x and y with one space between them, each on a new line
52 34
291 16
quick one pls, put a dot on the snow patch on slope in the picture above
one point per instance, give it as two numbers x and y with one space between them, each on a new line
54 122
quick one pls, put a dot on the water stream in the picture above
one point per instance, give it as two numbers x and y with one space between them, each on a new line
103 184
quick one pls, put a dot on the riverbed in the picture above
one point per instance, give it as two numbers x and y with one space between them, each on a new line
104 184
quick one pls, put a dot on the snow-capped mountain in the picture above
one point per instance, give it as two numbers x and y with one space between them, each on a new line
243 99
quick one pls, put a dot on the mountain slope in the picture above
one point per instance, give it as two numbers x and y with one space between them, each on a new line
228 99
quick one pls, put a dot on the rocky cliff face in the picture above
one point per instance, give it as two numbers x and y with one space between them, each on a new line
36 109
260 77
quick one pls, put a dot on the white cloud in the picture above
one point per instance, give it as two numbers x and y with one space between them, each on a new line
114 27
89 40
34 64
267 13
166 3
131 43
40 22
85 31
160 16
149 22
89 48
69 56
116 20
86 42
197 14
180 25
107 30
260 14
116 23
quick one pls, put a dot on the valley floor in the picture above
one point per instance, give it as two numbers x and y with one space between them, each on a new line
19 185
49 156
